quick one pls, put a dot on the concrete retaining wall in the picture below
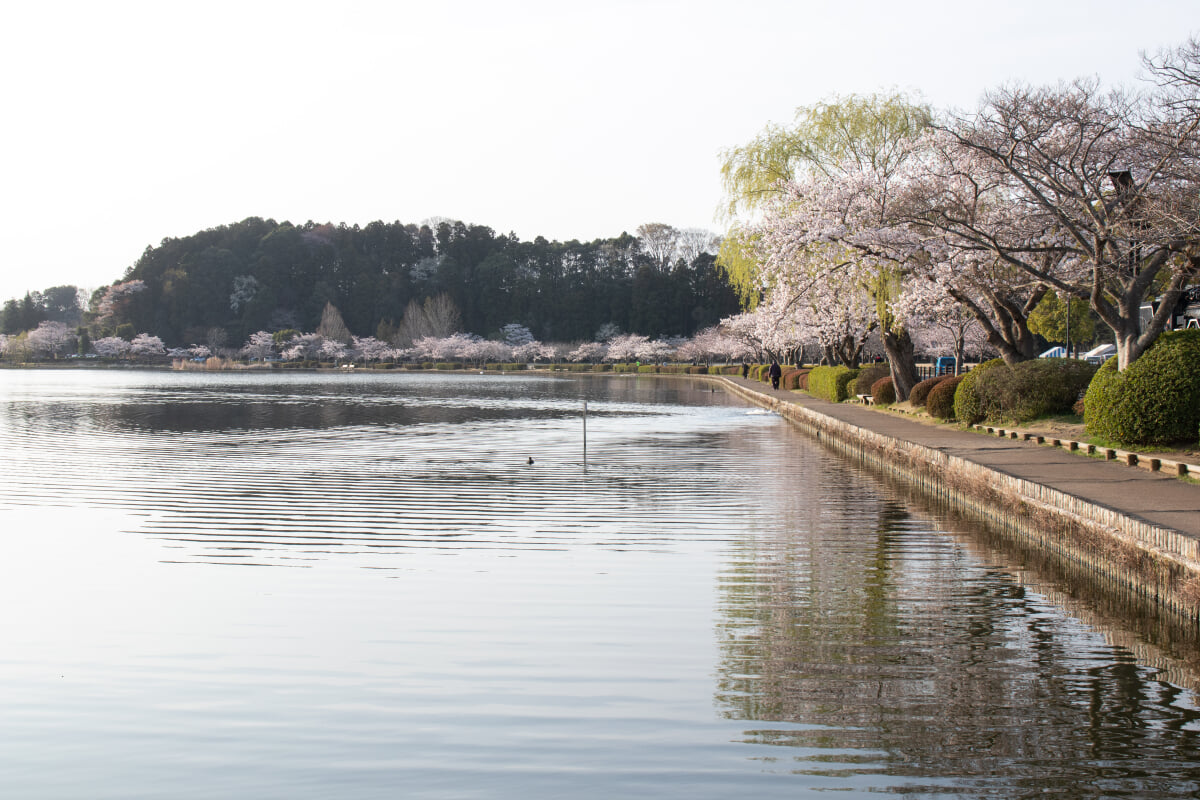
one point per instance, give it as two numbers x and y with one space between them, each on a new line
1158 563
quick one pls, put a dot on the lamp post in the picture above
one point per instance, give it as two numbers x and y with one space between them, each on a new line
1068 326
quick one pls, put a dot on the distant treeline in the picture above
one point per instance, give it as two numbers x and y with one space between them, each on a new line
260 274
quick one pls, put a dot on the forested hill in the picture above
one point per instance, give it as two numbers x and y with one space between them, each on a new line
265 275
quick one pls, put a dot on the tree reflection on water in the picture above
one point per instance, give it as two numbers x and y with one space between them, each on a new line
889 647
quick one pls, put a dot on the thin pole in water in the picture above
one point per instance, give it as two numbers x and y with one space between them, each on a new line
585 433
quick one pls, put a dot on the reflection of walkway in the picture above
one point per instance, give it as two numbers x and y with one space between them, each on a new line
1157 499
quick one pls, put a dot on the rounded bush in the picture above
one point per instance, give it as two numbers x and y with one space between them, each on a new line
970 406
940 400
883 391
1156 400
921 391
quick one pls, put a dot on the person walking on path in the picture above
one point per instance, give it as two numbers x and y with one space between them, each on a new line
776 373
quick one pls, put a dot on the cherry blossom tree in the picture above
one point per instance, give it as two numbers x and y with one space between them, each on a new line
533 351
303 346
1096 185
833 223
711 344
772 330
589 351
948 329
624 348
50 338
368 348
144 344
332 349
260 346
117 296
111 347
458 346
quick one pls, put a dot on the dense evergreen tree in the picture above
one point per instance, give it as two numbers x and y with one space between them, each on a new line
265 275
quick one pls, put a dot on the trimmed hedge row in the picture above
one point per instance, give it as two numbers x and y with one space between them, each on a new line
794 378
831 383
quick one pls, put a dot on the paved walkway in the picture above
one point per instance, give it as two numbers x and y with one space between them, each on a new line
1153 497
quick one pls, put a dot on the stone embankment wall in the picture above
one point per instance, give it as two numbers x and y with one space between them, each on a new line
1157 563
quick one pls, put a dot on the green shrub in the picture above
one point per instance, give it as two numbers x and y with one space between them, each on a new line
969 405
647 368
921 390
831 383
867 377
1156 400
448 365
1032 389
940 400
509 367
601 367
882 390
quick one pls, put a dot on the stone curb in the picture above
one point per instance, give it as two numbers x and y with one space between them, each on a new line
1156 562
1180 469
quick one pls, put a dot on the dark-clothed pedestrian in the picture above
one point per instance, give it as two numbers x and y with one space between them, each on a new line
776 372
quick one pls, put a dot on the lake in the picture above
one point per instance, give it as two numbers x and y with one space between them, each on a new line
253 585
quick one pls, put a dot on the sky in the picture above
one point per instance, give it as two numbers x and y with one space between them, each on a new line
124 123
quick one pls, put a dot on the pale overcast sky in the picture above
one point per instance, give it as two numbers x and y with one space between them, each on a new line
124 123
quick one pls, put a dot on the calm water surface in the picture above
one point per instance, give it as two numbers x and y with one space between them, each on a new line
298 586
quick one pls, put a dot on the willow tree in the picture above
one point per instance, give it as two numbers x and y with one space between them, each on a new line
813 189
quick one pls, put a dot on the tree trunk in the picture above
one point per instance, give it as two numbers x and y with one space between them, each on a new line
899 347
1007 326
